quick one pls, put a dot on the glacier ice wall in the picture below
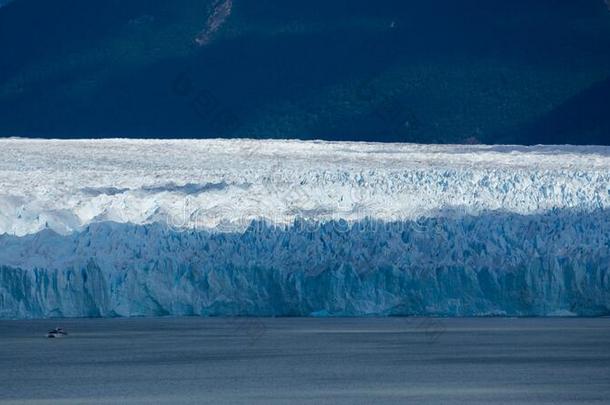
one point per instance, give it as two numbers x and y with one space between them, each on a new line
492 264
244 227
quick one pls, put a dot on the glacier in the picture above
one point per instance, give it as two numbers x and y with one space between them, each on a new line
244 227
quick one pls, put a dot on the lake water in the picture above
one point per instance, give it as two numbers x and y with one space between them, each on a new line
185 360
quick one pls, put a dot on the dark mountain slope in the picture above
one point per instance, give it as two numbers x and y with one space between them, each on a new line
586 115
389 70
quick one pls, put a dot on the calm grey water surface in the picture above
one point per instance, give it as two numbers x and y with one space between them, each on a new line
296 360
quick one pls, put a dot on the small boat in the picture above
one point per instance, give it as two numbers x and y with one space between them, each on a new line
56 333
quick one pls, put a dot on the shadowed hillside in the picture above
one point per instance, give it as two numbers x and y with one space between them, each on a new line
445 71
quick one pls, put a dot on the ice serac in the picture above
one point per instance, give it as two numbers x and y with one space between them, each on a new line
244 227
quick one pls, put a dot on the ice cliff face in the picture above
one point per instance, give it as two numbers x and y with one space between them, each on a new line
120 228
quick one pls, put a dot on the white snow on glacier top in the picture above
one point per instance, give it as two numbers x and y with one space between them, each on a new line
217 184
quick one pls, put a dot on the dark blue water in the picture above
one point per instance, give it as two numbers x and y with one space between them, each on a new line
194 360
